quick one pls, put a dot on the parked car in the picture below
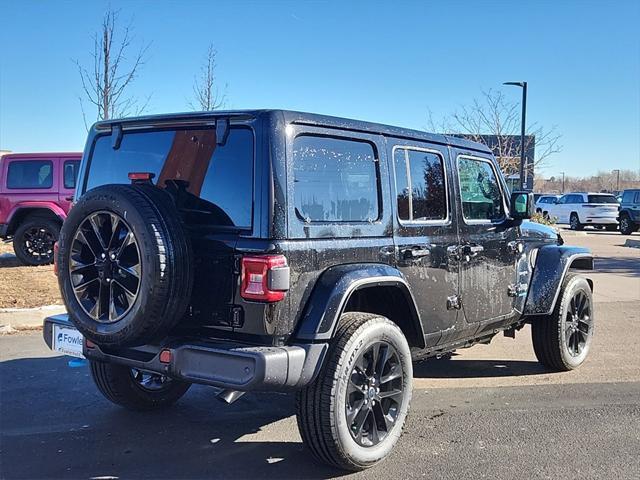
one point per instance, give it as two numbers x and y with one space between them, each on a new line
543 201
579 209
629 213
36 191
278 250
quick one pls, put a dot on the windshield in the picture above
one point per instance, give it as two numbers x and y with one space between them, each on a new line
215 182
602 199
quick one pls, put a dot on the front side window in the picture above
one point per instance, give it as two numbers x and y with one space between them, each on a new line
420 185
215 182
627 197
480 190
30 174
335 180
71 173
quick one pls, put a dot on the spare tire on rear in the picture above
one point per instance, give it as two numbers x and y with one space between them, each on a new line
125 265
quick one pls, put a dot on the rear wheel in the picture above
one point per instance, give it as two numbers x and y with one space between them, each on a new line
562 340
626 225
33 240
135 389
352 415
574 222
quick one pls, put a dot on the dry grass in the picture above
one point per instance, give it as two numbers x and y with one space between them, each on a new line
25 287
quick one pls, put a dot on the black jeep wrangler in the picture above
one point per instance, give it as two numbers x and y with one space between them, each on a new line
277 250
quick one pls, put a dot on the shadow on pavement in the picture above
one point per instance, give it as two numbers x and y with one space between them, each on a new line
54 424
455 368
625 266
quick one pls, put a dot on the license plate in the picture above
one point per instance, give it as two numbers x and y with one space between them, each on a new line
67 340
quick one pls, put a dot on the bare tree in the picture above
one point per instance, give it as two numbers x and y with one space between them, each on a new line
106 82
600 182
494 116
205 90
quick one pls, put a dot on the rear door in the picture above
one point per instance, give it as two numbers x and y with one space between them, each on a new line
213 185
425 231
67 177
487 265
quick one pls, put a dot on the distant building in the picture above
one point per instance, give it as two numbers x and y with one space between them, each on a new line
512 177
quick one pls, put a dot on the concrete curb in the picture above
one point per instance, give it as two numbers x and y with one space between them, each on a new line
27 317
632 243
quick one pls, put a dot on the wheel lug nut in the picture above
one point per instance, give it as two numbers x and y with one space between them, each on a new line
102 255
113 256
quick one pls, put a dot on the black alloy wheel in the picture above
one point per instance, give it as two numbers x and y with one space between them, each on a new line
577 324
37 242
375 394
105 267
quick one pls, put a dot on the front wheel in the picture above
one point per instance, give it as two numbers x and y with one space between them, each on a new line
135 389
562 340
352 415
626 225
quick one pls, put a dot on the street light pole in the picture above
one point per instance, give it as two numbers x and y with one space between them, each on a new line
523 85
562 181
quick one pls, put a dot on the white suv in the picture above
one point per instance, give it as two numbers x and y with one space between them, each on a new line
580 209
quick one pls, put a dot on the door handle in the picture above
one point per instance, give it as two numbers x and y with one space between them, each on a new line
471 250
69 198
415 252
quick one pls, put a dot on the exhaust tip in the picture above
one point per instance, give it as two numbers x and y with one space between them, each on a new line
229 396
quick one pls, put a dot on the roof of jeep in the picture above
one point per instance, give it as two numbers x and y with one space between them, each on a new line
14 156
306 119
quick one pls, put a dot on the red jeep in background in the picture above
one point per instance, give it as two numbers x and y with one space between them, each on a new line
36 192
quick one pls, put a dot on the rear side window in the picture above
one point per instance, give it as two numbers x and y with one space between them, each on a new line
602 199
71 173
30 174
215 181
627 197
335 180
420 185
480 190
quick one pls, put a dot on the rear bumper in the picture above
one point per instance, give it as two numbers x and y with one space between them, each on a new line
4 228
214 362
596 220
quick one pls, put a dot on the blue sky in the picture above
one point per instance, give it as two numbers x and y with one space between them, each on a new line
389 62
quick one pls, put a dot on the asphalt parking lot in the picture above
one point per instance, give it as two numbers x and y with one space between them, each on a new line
490 412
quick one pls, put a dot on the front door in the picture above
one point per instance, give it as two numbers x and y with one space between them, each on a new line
425 232
487 261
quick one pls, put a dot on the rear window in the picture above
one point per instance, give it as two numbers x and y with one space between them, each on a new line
602 199
71 173
218 179
30 174
628 196
335 180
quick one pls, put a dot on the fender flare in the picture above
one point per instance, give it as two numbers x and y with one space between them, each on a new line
333 290
551 266
52 207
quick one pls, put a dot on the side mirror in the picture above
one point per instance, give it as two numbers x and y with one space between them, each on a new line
522 205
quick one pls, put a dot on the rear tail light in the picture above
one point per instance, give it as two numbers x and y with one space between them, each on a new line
55 258
265 278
